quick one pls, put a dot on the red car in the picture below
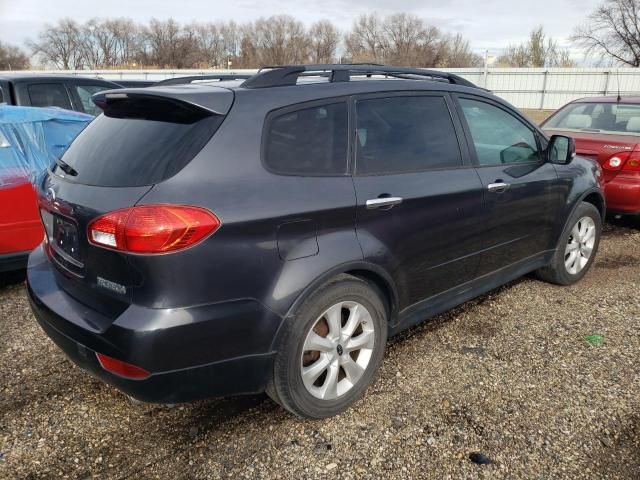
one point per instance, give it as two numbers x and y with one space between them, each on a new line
20 226
30 139
606 129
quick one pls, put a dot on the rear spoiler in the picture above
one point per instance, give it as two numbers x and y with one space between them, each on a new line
197 100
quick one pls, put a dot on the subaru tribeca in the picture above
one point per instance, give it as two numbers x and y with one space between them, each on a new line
270 235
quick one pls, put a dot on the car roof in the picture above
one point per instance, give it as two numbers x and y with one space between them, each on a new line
609 99
53 77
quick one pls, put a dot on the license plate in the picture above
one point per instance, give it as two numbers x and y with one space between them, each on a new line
62 235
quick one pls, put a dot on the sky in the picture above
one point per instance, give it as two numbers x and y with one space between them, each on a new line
487 24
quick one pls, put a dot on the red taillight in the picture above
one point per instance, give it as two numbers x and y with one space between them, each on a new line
122 369
152 228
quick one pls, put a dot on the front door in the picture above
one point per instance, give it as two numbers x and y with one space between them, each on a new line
418 196
522 194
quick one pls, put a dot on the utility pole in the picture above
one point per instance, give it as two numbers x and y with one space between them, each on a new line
486 67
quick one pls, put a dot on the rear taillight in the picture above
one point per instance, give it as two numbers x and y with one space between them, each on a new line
633 162
616 161
152 228
122 369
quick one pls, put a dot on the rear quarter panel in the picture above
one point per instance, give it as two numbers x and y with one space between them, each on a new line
242 259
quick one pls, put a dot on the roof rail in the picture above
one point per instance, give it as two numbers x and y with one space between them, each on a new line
287 75
203 78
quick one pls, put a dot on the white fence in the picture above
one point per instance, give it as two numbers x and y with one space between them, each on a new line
524 87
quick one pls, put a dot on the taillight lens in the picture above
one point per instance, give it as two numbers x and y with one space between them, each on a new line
616 161
633 162
122 369
152 228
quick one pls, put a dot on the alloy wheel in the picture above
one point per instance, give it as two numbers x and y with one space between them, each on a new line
580 245
337 350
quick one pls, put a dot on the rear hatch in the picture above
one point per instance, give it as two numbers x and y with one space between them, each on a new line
143 137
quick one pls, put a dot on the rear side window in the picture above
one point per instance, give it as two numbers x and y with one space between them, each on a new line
309 141
405 134
139 143
49 95
85 92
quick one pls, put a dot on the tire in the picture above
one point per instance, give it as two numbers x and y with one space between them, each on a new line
345 372
558 272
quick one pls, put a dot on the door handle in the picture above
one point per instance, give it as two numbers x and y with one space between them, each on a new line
383 202
498 187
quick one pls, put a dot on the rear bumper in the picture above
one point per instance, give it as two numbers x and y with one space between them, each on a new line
192 353
623 195
13 261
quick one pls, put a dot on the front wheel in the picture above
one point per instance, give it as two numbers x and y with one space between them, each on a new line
330 349
577 247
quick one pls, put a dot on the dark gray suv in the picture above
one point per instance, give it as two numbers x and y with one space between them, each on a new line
271 234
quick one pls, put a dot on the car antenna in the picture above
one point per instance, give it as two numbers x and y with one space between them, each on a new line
618 82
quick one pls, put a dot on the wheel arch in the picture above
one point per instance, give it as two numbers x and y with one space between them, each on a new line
596 199
369 272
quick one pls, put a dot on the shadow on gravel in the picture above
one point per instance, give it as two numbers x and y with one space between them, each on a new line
624 221
8 279
179 428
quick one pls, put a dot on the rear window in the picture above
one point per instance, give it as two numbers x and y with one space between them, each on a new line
118 149
598 117
309 141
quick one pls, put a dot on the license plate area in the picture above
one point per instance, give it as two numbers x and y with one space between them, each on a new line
63 237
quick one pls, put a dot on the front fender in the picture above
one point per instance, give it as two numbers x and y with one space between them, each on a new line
579 180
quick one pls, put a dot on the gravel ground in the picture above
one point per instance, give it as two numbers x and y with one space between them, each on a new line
508 375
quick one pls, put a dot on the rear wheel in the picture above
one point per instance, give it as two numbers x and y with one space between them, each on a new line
331 349
577 247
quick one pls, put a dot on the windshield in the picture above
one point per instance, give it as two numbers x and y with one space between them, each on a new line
598 117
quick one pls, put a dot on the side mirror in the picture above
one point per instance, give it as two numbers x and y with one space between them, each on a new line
561 149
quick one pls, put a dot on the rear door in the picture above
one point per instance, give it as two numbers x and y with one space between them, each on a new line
50 94
522 193
417 194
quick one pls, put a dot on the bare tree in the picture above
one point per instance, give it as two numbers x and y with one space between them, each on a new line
167 44
405 39
60 45
365 42
399 39
281 40
538 51
612 31
324 41
12 58
459 53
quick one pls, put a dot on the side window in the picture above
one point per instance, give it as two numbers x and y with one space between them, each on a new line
1 96
499 138
49 95
405 134
309 141
85 92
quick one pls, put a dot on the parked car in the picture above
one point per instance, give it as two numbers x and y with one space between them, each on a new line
30 138
606 129
272 235
202 78
70 92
